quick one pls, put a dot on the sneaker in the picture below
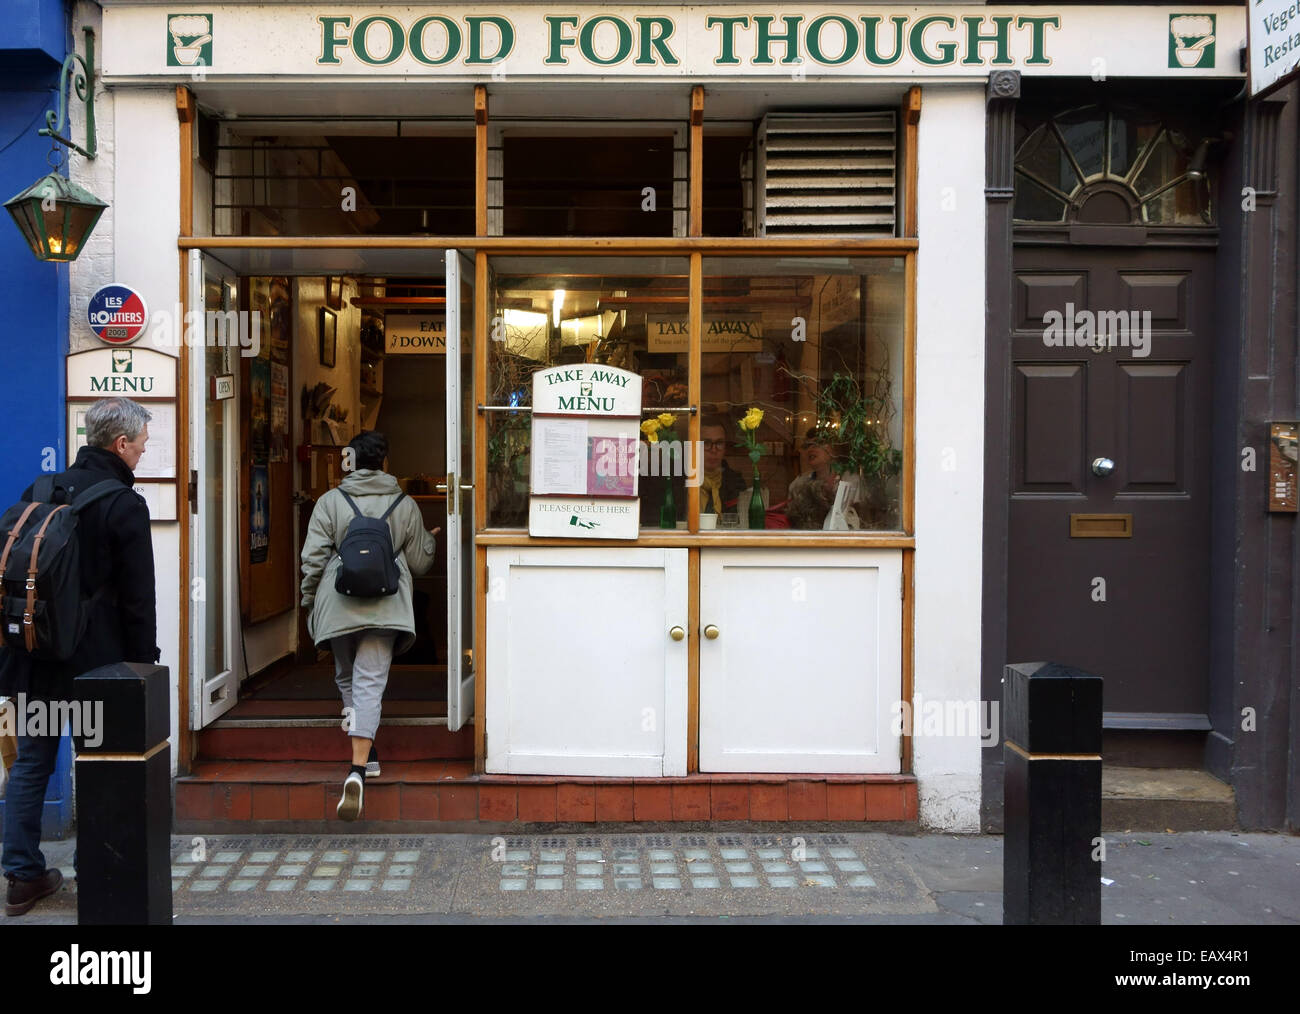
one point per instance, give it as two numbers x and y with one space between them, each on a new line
372 764
23 894
350 803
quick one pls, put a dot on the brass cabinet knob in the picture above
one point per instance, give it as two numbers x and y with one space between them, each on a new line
677 633
711 632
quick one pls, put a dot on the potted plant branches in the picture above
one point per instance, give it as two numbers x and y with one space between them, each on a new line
865 459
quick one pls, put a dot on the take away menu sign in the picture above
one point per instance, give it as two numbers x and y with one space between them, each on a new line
585 453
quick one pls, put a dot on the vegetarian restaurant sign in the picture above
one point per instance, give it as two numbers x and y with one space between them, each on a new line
502 42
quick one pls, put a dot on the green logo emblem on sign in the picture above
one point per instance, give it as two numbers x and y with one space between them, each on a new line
1191 40
189 40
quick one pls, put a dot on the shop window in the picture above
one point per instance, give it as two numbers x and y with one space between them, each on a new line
1111 164
810 350
343 184
728 184
593 186
628 312
817 347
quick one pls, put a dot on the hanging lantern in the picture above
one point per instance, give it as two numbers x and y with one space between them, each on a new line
55 216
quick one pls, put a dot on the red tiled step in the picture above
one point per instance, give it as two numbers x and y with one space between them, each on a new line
328 742
261 795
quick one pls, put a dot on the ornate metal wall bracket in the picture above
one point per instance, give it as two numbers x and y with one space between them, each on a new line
77 75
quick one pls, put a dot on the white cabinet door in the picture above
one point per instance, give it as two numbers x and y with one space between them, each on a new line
806 667
583 676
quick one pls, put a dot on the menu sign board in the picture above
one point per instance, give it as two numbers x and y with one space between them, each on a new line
143 375
585 449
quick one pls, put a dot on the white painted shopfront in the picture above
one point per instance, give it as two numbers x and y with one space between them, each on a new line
573 667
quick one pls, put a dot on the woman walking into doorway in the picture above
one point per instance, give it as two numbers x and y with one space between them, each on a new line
364 633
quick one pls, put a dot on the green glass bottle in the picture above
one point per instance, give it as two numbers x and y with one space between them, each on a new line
757 513
668 511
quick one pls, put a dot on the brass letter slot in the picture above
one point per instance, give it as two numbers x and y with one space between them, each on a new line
1101 526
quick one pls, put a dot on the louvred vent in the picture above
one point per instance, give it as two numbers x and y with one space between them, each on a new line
827 174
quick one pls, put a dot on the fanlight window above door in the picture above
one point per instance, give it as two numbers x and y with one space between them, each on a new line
1107 165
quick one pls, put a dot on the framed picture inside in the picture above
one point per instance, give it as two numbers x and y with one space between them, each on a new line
328 336
334 292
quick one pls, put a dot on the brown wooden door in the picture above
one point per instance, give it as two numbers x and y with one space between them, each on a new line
1134 610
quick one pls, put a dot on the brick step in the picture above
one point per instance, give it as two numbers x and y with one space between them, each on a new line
321 739
220 797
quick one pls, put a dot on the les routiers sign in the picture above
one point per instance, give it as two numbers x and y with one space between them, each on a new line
707 41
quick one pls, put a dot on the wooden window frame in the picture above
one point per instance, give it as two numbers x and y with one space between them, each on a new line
695 247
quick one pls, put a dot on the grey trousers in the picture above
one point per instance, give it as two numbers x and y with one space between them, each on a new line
361 662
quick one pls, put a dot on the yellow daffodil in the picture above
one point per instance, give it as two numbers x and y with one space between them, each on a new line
666 419
650 426
752 419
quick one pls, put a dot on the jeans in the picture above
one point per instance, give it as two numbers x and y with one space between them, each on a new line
24 804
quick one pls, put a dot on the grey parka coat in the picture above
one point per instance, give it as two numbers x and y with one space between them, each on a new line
333 614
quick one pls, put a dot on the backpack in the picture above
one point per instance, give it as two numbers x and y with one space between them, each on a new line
42 611
367 563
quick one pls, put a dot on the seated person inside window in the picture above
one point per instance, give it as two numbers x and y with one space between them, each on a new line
812 493
720 484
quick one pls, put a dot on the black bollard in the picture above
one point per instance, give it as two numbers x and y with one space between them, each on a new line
124 805
1052 722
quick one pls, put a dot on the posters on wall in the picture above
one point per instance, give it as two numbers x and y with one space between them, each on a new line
259 419
279 412
268 404
280 319
259 491
280 323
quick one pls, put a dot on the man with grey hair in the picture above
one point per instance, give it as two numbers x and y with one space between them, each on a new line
117 585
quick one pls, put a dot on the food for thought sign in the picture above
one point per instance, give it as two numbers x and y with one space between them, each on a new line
706 41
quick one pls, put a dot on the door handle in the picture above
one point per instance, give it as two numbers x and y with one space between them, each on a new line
711 632
1102 466
677 633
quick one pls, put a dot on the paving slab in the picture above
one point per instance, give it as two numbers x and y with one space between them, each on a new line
785 876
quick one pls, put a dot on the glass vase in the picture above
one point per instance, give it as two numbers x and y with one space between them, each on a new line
757 513
668 510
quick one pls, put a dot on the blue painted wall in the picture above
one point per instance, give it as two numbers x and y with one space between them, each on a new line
34 38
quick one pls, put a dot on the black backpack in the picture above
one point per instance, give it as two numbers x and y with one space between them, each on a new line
43 613
367 563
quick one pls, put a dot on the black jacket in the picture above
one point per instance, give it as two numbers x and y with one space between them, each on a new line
115 549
